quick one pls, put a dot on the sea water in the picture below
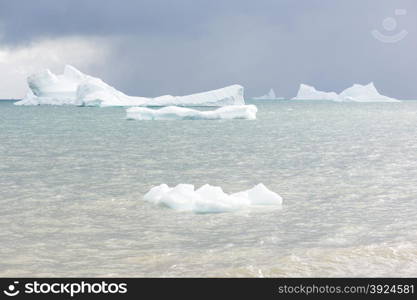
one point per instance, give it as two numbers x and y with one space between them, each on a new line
72 182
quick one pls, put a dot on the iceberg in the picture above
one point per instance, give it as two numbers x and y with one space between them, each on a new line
181 113
364 93
75 88
356 93
269 96
72 88
210 199
307 92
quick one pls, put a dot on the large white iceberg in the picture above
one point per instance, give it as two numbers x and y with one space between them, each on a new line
211 199
356 93
75 88
269 96
182 113
70 88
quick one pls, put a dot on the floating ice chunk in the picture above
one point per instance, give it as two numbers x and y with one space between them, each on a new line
260 195
75 88
269 96
211 199
356 93
182 113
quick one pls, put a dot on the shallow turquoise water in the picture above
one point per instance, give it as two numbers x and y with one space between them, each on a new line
72 181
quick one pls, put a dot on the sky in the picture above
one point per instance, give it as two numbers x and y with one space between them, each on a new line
178 47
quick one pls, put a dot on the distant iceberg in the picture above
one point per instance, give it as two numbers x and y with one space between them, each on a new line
269 96
75 88
307 92
364 93
356 93
211 199
182 113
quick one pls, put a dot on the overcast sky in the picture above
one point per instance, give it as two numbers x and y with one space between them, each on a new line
150 48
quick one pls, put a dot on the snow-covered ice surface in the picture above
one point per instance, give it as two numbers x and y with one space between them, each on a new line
75 88
211 199
269 96
182 113
356 93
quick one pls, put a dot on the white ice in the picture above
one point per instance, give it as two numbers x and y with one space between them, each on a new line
211 199
307 92
75 88
182 113
364 93
356 93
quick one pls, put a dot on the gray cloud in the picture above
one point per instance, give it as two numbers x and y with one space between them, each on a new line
179 47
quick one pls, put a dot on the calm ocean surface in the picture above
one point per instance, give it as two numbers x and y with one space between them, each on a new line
72 182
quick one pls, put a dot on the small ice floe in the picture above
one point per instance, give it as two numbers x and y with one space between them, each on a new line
211 199
181 113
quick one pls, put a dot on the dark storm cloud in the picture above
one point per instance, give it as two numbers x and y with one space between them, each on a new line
184 46
25 20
